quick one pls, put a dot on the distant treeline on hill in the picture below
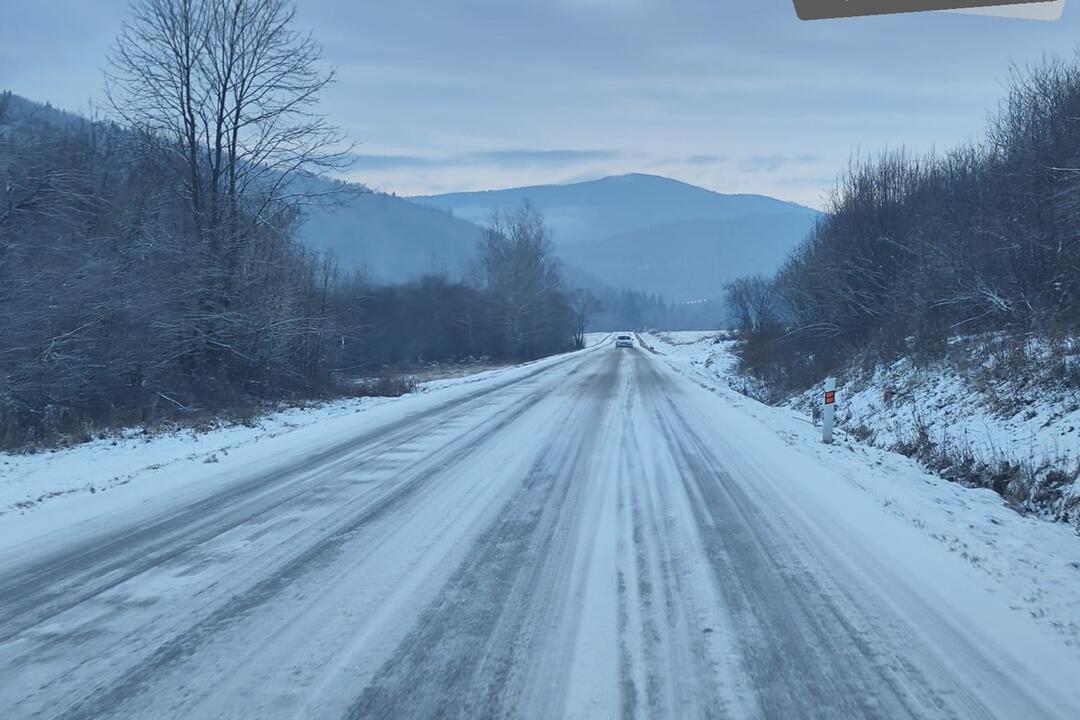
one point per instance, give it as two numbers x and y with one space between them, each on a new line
636 310
913 251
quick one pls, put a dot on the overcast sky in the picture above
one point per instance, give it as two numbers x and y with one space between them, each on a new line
734 95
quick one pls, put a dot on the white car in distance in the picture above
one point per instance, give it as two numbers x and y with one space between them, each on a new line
624 341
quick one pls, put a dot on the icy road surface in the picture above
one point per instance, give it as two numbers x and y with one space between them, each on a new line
591 537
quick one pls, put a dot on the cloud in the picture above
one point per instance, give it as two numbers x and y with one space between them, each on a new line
773 163
390 162
502 159
705 160
520 158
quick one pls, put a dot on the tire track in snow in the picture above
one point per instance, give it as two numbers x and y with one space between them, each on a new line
317 554
460 659
808 655
54 584
802 661
667 668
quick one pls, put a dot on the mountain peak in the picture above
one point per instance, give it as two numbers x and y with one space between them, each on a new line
594 209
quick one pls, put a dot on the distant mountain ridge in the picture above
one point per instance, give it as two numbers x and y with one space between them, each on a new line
25 114
392 239
637 231
692 260
653 233
596 209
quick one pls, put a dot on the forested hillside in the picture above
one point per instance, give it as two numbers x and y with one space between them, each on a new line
693 260
391 239
151 266
970 260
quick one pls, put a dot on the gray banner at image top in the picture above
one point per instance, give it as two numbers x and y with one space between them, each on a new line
821 9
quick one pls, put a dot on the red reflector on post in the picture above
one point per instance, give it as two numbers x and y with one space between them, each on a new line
830 397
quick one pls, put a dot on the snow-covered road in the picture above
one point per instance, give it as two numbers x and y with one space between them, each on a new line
593 536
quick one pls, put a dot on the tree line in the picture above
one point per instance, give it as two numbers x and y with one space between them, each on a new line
516 306
149 264
613 309
914 251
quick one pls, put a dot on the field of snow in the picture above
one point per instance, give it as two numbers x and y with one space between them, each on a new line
1034 562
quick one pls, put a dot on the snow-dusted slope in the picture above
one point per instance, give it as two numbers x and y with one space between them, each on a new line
1014 429
1008 422
1036 428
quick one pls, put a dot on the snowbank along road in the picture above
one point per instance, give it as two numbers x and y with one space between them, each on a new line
594 536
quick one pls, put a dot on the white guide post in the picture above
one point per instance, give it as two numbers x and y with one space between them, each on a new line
829 416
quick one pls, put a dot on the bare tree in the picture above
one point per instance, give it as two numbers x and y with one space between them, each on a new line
230 90
524 278
584 305
226 92
752 303
914 252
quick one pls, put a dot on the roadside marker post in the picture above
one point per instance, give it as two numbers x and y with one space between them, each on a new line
829 416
